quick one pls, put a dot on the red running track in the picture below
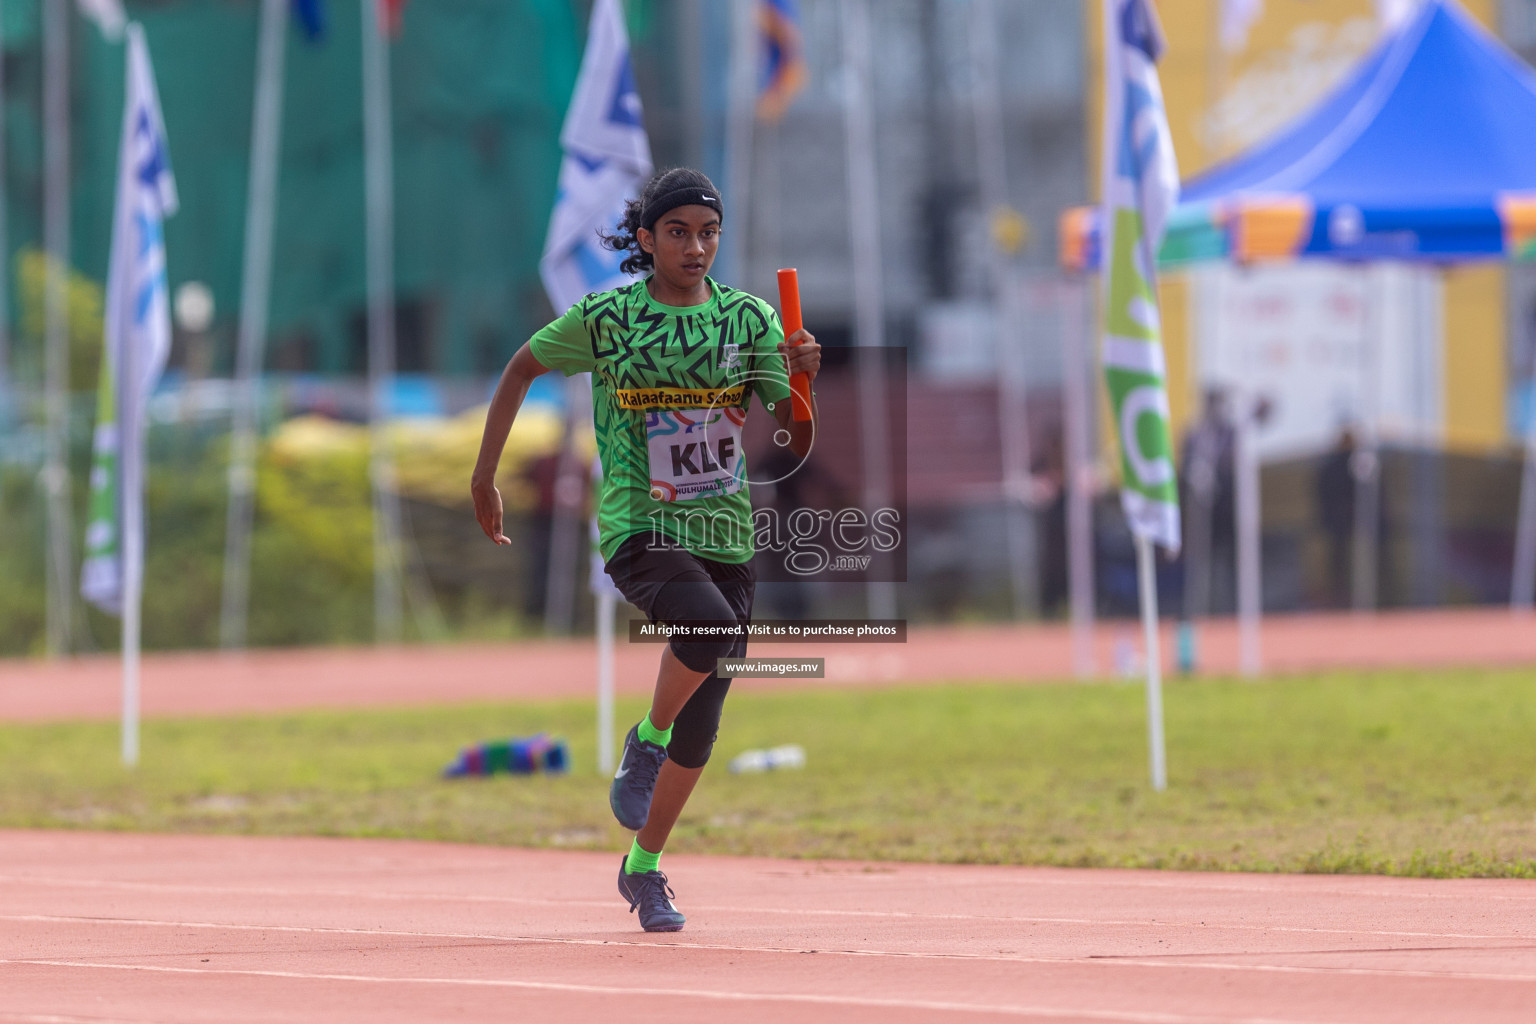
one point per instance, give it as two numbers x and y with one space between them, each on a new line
204 683
101 928
116 928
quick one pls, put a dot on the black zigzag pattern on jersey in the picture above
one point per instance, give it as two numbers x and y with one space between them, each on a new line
748 320
640 347
606 316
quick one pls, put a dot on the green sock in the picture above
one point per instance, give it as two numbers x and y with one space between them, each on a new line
640 860
651 734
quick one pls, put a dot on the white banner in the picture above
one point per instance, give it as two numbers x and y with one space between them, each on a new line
1329 346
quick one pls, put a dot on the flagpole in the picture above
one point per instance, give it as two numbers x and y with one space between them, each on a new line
1146 573
1365 463
1250 605
607 595
1013 383
138 331
56 201
5 259
130 540
379 189
1137 195
605 610
1077 412
741 89
565 531
690 21
255 292
869 312
1197 559
133 594
1522 587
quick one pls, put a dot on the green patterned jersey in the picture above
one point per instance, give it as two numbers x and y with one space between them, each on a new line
670 390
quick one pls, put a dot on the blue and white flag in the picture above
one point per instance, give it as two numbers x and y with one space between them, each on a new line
607 160
1140 190
137 340
108 16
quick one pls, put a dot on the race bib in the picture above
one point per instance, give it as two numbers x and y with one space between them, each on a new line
695 453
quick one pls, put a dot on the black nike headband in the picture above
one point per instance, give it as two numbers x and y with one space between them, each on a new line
683 195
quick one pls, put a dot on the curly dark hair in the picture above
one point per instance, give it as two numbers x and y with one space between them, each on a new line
626 238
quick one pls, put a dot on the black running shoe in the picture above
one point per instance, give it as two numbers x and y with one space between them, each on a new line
648 892
635 781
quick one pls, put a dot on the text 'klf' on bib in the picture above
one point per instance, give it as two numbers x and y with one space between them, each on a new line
695 452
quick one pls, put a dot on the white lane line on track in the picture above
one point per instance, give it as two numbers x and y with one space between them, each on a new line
936 1006
1097 879
1109 878
1182 961
431 897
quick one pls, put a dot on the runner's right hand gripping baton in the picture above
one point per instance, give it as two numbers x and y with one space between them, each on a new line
789 312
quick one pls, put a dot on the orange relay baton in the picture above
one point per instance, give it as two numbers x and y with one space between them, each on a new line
789 312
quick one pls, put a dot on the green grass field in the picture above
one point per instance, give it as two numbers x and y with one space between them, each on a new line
1422 774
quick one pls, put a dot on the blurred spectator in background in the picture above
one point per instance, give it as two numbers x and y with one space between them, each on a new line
1207 477
1336 514
1049 482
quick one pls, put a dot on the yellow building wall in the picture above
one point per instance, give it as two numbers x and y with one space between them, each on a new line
1201 85
1476 367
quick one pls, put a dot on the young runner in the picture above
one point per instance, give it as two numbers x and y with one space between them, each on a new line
675 359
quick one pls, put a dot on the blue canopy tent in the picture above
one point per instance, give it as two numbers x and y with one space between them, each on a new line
1426 152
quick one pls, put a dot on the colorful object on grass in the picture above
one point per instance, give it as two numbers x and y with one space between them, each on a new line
528 755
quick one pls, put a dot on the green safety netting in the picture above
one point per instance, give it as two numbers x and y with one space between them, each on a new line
480 89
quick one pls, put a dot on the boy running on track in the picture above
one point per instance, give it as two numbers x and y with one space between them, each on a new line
675 359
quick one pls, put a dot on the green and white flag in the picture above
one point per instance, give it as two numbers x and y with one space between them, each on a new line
1140 189
136 341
